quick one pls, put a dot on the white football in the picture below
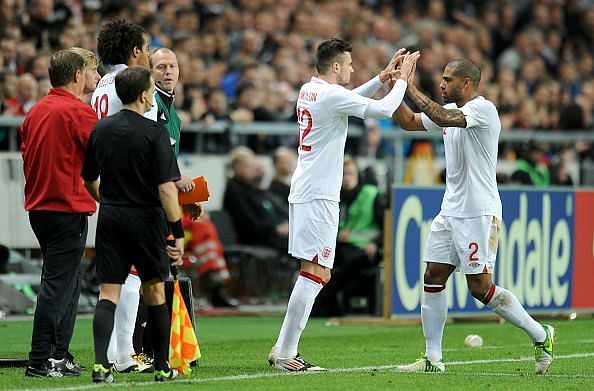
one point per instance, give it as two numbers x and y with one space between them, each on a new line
473 340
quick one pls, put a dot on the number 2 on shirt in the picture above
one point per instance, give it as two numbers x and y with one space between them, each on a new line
101 106
304 124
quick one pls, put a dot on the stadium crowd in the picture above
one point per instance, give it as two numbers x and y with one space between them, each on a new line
244 60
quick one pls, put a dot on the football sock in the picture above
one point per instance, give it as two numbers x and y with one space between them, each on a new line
434 312
102 327
140 327
125 317
506 304
159 319
300 304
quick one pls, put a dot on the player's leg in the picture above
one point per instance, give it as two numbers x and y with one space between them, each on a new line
103 321
158 316
478 246
112 263
153 269
312 235
125 320
441 259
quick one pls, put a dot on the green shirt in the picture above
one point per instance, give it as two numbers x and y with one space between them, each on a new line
167 116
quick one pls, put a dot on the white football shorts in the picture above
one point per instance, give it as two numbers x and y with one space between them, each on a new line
313 227
469 244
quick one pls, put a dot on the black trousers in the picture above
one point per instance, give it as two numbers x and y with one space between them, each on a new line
62 238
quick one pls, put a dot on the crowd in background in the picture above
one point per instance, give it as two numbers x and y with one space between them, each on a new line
245 60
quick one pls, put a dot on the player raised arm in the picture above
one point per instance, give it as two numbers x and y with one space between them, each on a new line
406 118
369 88
436 113
385 107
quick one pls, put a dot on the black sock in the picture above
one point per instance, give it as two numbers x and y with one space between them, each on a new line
140 327
158 318
102 328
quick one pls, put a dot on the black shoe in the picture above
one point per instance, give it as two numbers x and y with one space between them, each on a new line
166 376
219 298
101 374
65 366
44 371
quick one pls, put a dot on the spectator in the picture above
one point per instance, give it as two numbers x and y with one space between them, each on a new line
254 217
284 160
59 123
204 258
26 96
530 168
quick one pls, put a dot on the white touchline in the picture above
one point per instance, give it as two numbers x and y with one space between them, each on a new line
338 370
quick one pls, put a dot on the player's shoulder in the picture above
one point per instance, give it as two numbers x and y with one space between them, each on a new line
481 103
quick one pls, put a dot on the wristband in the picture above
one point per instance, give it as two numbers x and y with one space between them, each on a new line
176 228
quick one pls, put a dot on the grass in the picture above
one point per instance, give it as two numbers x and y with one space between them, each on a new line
360 357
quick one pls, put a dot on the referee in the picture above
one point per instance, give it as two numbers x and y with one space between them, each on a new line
139 207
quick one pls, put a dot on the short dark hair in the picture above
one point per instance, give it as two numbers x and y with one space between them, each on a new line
63 66
330 51
464 68
116 41
131 82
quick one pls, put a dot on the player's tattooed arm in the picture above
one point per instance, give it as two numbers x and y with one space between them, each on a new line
437 113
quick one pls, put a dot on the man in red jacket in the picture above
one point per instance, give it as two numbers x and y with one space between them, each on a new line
55 134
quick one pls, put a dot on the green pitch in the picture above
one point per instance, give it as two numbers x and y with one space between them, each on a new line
359 357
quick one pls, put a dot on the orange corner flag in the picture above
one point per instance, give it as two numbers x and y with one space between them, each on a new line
183 345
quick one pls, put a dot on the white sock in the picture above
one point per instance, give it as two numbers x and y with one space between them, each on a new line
434 311
506 304
298 310
112 348
125 317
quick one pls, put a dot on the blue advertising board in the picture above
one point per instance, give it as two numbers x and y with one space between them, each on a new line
534 259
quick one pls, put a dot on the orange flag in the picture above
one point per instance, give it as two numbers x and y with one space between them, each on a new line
183 345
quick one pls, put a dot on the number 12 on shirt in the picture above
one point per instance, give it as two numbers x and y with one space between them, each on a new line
304 124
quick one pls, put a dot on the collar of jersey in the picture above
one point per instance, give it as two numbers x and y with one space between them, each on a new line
318 80
118 67
162 91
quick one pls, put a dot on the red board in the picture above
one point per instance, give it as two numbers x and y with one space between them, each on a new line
583 267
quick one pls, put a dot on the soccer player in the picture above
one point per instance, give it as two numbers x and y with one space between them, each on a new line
138 208
323 108
465 234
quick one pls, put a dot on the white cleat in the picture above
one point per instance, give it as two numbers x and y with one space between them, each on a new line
272 356
296 364
423 365
134 364
543 351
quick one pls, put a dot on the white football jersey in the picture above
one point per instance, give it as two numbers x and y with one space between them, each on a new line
322 110
471 160
105 100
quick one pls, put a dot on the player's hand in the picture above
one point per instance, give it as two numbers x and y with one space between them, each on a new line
195 210
176 252
395 61
408 64
185 184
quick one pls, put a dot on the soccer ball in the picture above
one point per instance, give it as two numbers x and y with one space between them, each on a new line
473 340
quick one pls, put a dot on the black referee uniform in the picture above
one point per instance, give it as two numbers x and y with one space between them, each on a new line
133 155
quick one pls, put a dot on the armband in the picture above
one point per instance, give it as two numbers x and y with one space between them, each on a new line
176 228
